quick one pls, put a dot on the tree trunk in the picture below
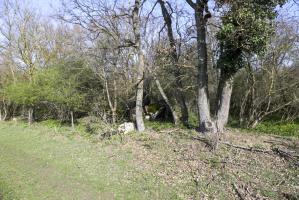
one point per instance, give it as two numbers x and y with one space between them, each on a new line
72 120
175 59
182 102
206 124
165 98
140 67
113 116
30 116
113 105
224 95
254 124
5 113
139 95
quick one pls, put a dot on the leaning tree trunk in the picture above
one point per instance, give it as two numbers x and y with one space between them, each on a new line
206 125
174 59
225 88
165 98
140 67
30 116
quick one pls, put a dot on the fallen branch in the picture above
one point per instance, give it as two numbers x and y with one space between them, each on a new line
246 148
285 154
290 155
238 192
170 131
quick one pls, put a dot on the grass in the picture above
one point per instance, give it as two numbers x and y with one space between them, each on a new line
158 126
5 191
283 129
47 161
37 163
271 127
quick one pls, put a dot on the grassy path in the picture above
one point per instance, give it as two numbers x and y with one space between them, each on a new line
36 163
42 163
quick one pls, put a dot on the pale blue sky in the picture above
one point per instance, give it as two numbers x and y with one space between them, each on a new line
48 7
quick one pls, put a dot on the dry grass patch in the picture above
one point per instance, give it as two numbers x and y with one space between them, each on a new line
196 172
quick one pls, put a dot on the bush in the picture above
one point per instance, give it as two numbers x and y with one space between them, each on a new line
51 123
96 126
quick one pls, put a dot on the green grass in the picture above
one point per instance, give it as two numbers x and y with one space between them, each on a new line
283 129
5 191
39 163
271 127
157 126
52 161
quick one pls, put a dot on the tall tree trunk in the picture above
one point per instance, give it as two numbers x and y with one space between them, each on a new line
206 122
175 59
165 98
30 116
139 95
140 67
225 88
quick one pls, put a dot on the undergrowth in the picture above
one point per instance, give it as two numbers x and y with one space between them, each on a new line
283 129
271 127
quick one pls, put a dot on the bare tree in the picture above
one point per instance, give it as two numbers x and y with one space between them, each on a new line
271 80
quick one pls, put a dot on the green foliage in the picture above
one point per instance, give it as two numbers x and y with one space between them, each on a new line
61 84
60 88
284 129
153 108
193 119
51 123
246 30
158 126
272 127
24 92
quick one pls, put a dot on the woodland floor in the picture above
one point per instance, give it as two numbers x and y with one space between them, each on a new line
47 163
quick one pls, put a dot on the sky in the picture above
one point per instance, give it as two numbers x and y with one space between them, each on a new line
47 7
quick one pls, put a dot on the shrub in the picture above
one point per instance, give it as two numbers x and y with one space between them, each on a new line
96 126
